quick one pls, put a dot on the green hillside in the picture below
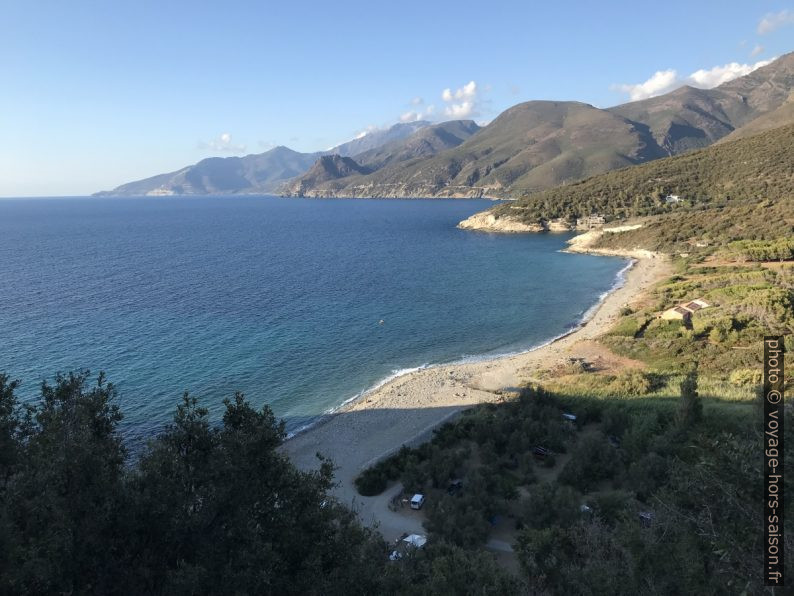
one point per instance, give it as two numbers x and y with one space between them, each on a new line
753 168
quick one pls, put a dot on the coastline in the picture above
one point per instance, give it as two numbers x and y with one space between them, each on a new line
404 410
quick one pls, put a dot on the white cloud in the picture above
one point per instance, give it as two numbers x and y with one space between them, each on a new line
462 103
365 132
718 75
410 117
417 101
463 109
775 20
222 143
664 81
467 92
757 50
414 115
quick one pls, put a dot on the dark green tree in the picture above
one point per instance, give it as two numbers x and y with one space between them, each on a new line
62 498
690 408
205 509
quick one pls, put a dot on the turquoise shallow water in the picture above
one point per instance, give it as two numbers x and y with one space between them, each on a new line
278 298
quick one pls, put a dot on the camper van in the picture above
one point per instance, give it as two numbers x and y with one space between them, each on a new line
417 501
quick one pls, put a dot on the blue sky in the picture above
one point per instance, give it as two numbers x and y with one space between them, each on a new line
94 94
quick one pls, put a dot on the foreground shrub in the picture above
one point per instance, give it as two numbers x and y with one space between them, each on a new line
371 482
630 383
214 509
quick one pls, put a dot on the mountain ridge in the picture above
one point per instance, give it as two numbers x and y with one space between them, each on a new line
422 144
757 168
526 149
542 144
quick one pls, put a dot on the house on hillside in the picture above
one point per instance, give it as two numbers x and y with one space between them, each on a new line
592 221
684 312
696 305
677 313
672 199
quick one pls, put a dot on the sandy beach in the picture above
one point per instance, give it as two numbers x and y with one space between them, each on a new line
406 409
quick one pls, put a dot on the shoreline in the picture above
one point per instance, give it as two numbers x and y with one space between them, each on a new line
620 281
405 409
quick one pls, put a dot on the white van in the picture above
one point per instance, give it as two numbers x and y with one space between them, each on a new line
417 501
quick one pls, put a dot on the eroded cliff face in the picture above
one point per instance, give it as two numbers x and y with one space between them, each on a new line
486 221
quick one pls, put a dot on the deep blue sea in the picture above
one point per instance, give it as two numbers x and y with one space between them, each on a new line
279 298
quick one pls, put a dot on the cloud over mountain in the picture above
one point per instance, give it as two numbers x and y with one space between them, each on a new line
461 103
663 81
223 143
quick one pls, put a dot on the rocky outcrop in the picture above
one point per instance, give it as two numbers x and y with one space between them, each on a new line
585 243
488 222
326 169
559 225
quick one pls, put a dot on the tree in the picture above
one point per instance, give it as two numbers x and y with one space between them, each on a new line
232 514
205 509
62 498
690 408
551 505
9 425
449 570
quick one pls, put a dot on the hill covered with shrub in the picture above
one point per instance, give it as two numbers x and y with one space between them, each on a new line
757 168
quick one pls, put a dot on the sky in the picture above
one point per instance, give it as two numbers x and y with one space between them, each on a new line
97 93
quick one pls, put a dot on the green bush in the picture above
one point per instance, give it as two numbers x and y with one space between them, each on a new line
615 421
630 383
593 460
647 474
611 506
371 482
550 504
744 377
626 327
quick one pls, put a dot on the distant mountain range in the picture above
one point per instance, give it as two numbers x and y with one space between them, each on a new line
374 168
377 138
529 147
257 173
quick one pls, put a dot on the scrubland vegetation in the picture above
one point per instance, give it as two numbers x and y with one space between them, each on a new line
657 493
656 486
757 169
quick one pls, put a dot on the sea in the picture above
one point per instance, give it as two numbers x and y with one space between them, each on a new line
301 304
